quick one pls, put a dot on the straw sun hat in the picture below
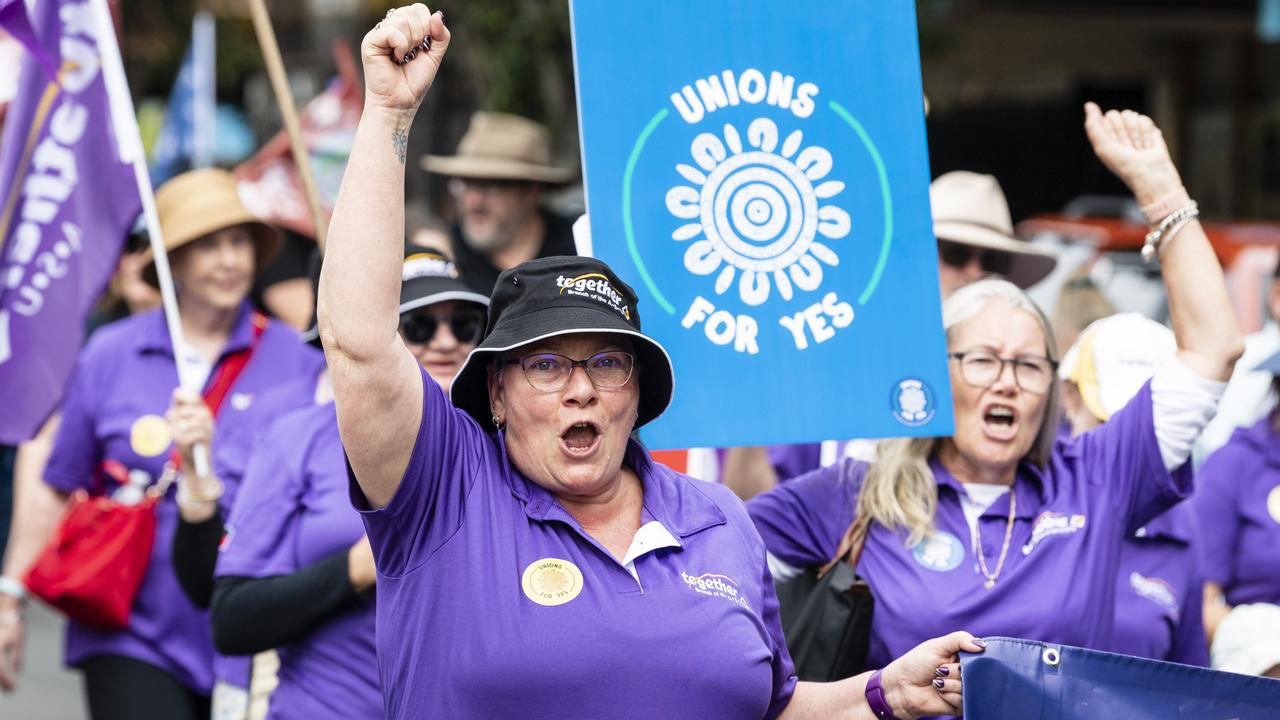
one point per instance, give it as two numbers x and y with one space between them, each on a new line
499 146
198 203
970 209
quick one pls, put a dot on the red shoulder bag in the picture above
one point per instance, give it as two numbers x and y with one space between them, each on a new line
98 555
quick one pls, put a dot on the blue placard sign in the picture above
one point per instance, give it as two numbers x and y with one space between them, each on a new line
758 172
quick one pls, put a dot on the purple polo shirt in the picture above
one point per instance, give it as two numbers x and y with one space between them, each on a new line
1160 593
1237 506
294 510
1059 579
792 461
231 457
113 429
493 602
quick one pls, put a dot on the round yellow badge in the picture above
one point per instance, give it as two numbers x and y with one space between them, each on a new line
551 581
149 435
1273 503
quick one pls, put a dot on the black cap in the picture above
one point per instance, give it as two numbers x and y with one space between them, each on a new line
427 277
561 295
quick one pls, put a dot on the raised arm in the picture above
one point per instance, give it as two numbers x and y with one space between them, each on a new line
376 381
1204 323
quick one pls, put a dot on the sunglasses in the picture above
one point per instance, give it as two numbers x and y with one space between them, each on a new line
958 255
466 324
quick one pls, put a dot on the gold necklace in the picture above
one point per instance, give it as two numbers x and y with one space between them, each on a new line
1004 548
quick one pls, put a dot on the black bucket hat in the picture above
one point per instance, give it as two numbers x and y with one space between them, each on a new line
555 296
428 277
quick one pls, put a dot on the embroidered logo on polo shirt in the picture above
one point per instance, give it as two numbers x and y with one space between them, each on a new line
594 286
551 581
1155 590
241 401
941 551
1048 524
149 435
1273 503
721 586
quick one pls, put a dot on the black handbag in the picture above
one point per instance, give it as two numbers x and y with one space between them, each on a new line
826 614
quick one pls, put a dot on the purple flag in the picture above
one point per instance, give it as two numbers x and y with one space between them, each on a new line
68 204
13 18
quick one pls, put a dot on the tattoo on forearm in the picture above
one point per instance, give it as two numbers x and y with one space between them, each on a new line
400 141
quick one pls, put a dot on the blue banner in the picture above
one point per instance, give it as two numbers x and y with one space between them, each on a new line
1025 680
759 174
186 138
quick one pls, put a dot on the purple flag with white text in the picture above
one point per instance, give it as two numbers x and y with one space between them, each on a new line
68 204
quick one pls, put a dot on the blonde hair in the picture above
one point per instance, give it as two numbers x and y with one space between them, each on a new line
899 490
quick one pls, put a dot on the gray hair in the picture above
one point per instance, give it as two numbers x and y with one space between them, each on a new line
899 490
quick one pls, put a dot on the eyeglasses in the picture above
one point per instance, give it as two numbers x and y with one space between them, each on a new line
466 324
958 255
549 372
981 369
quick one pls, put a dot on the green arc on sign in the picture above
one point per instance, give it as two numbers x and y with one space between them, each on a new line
627 226
887 196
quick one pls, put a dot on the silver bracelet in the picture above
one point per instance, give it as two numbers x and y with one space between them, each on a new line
13 588
1168 227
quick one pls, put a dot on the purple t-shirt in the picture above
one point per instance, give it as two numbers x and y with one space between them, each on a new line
113 435
1059 579
230 458
1160 593
1237 506
294 510
493 602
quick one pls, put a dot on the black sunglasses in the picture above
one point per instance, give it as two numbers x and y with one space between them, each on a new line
958 255
466 324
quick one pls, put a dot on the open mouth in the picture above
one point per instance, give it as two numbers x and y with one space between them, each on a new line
1000 421
580 439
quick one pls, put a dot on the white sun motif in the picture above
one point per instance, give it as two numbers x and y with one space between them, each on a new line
756 209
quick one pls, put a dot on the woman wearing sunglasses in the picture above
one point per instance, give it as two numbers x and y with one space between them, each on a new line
295 571
998 529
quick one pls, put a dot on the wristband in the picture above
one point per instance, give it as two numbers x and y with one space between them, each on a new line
13 588
875 698
1166 206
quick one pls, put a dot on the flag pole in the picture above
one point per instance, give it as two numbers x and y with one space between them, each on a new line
289 113
129 142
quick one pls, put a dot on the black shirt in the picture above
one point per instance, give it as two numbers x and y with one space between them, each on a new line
481 275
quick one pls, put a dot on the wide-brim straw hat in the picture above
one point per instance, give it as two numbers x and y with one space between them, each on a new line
201 202
555 296
970 208
500 146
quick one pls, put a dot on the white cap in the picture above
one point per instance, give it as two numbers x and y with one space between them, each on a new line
1247 640
1113 358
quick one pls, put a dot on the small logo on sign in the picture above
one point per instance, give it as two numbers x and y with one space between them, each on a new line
149 436
941 551
912 402
551 581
